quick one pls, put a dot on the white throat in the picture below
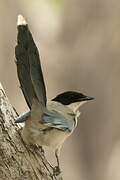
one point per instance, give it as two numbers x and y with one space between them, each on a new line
75 106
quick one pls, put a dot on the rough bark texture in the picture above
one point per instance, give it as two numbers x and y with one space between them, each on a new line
17 160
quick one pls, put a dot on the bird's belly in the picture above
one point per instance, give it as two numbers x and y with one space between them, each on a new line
52 137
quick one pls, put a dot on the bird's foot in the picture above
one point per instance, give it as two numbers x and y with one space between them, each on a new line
56 171
41 149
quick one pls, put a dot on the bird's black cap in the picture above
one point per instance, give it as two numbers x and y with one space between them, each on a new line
70 97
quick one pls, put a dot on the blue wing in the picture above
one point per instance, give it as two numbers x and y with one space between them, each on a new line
53 118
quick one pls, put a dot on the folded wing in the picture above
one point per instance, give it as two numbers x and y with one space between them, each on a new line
54 119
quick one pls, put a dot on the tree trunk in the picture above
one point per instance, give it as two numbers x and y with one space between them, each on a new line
17 160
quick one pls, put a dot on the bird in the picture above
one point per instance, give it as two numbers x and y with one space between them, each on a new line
46 123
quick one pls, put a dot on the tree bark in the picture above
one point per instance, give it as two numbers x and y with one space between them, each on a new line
17 160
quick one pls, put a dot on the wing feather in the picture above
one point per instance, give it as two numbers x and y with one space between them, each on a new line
54 119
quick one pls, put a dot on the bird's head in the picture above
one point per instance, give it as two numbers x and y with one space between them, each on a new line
72 99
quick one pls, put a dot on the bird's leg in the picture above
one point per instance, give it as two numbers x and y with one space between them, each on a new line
57 170
57 158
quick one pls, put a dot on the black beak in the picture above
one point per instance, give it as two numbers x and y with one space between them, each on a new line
87 98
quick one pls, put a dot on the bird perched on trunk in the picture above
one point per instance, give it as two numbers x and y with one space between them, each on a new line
47 123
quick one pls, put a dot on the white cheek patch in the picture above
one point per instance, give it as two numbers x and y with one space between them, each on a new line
81 103
75 106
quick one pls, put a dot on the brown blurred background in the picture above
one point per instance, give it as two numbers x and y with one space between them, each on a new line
79 42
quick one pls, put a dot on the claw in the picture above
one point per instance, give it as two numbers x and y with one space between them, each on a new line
56 171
